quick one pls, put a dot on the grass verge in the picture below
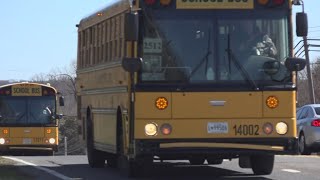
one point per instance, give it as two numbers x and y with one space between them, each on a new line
9 171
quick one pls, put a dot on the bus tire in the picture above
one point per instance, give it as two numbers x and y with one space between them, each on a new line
112 161
134 168
196 160
262 164
95 157
303 149
214 161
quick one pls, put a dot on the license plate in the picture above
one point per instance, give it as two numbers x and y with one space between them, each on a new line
218 127
27 141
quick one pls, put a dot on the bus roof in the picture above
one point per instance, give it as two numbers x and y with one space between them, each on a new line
31 83
116 7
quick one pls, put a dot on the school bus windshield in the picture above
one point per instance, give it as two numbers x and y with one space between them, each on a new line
26 111
215 47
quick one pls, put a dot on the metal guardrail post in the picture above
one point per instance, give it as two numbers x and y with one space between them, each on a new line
65 146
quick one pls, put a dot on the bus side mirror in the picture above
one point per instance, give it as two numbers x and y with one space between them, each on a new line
61 101
301 24
131 27
131 64
59 116
295 64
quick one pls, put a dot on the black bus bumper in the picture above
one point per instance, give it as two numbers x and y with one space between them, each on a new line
226 148
6 148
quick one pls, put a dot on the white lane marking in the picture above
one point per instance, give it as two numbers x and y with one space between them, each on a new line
291 170
54 173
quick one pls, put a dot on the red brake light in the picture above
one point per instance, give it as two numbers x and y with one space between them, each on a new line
150 2
278 2
315 123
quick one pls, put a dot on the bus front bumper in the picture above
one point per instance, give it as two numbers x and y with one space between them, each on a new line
29 148
230 147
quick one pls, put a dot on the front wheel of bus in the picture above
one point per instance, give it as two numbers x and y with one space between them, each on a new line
95 157
214 161
196 160
262 164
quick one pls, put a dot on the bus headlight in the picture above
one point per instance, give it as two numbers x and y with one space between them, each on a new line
2 141
52 140
151 129
282 128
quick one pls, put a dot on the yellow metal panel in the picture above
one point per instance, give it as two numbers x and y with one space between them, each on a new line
27 132
53 132
200 105
29 135
145 106
30 141
104 128
198 128
287 105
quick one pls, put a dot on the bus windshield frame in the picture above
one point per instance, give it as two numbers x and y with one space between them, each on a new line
28 111
209 58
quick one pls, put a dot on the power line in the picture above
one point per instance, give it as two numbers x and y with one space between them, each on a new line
314 31
314 27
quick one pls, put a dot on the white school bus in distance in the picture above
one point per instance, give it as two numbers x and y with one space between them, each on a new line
168 78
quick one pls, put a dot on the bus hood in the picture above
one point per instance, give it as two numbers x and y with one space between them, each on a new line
217 105
213 105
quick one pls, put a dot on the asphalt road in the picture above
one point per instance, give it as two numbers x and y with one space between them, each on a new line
76 167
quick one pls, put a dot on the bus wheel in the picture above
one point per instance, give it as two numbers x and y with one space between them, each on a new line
196 160
302 145
128 167
139 167
112 161
95 157
262 164
214 161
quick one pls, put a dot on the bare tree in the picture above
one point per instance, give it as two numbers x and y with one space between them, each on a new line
63 79
303 93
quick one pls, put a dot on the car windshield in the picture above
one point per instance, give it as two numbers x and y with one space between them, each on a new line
203 47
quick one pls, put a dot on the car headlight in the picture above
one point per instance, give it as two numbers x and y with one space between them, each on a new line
282 128
151 129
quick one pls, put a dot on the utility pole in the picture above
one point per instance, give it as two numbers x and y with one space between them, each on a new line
306 51
310 80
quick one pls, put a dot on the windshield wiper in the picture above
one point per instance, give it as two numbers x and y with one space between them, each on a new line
244 72
204 59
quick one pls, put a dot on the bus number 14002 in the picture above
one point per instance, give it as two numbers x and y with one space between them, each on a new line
246 130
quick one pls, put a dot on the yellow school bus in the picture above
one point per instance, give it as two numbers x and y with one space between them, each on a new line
28 119
182 79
